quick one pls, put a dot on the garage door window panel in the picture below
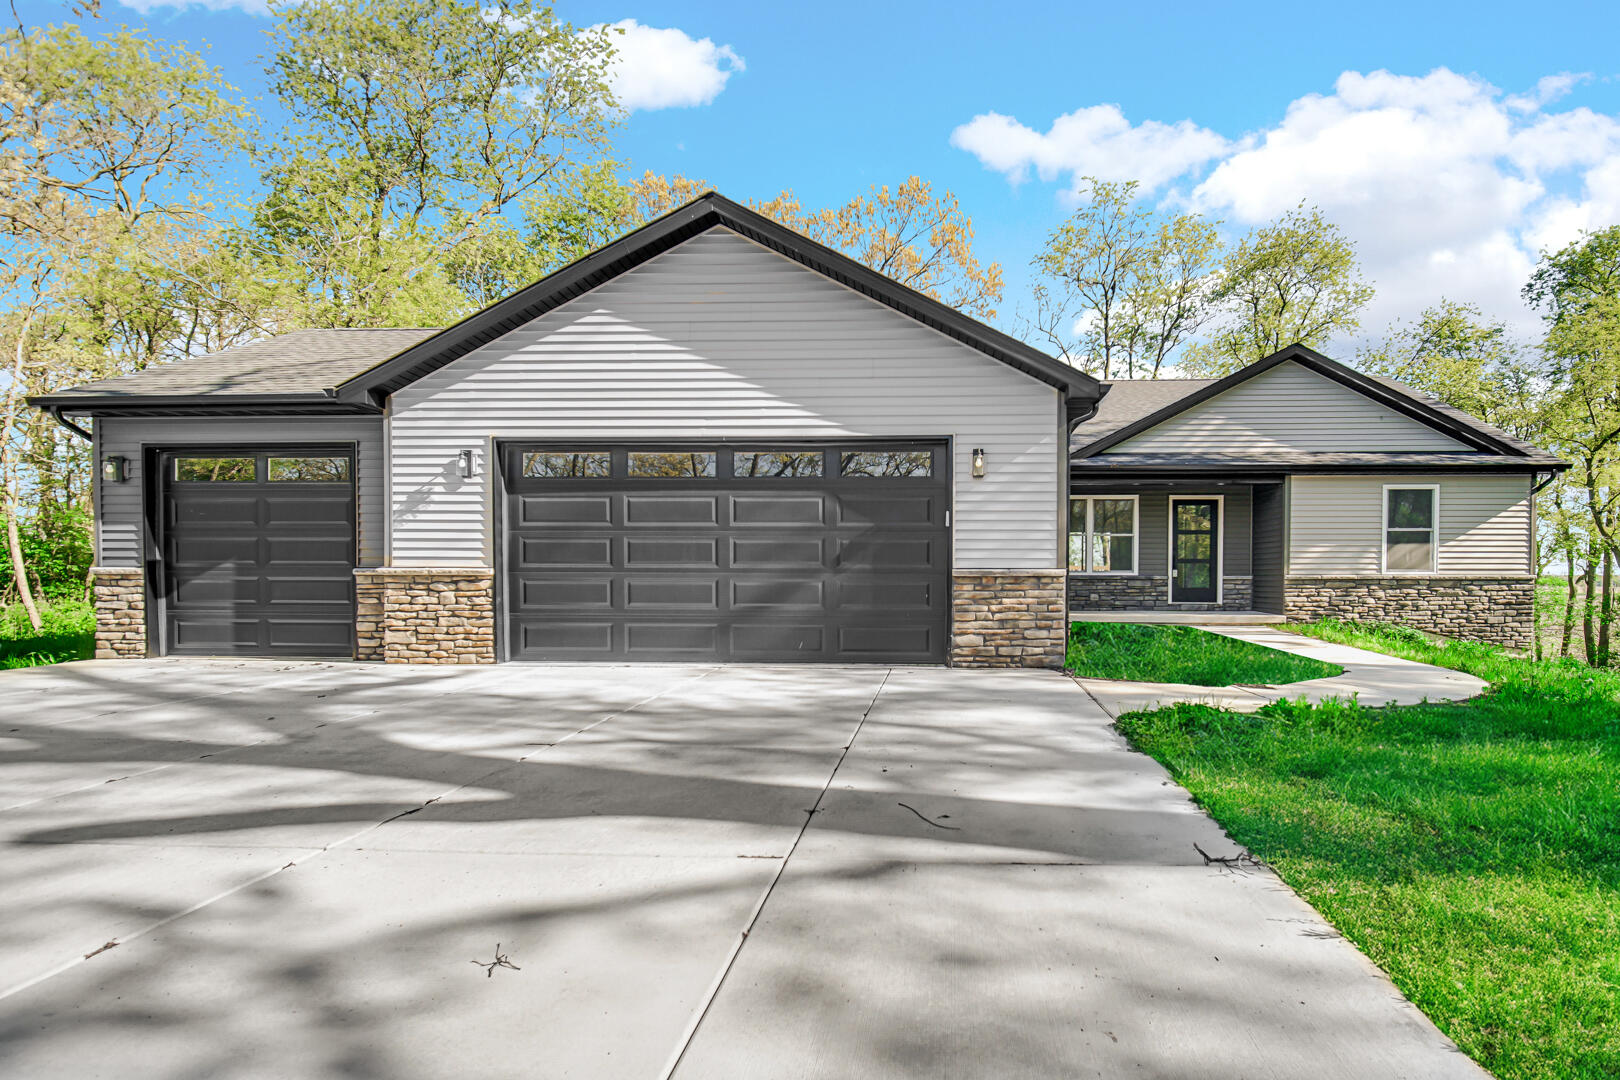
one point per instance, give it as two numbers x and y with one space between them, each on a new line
672 465
567 465
309 470
215 470
776 464
888 464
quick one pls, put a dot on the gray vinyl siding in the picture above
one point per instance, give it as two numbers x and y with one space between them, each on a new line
119 514
1153 514
1288 408
1270 518
720 338
1335 524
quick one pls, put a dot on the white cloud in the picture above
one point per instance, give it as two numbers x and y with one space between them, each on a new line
665 68
1096 141
1447 186
1548 89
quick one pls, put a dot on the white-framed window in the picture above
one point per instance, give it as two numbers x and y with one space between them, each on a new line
1103 532
1411 528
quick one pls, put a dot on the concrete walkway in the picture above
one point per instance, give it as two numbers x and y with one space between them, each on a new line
233 870
1371 678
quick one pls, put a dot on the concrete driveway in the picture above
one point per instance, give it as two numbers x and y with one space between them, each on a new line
289 869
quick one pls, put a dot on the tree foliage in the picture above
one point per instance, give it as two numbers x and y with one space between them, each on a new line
417 126
1122 286
1294 280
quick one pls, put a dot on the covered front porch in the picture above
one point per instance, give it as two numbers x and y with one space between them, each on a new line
1176 549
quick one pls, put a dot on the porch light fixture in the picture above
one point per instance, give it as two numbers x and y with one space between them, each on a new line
466 461
113 469
978 464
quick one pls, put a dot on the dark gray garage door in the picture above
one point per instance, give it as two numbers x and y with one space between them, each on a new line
259 552
767 553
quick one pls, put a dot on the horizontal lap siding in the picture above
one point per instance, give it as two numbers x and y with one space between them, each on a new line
720 338
1335 523
119 517
1288 408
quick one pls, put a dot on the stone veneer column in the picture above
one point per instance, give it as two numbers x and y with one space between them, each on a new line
1008 618
120 599
425 615
1495 610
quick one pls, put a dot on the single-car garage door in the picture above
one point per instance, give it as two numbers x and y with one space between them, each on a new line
771 552
258 552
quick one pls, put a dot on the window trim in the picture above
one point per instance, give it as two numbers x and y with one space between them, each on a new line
1136 536
1383 531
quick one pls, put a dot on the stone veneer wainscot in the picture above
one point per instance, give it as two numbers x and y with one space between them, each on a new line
1495 610
120 596
1133 592
1008 618
425 615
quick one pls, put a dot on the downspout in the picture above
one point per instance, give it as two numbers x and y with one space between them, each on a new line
56 414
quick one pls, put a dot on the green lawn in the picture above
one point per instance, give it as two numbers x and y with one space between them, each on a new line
1472 849
68 633
1181 654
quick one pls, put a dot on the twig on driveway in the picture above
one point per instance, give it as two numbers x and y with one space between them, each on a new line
1241 861
935 824
500 960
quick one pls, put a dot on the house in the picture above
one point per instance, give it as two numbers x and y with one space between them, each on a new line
715 439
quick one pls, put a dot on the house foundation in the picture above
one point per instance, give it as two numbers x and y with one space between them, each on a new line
1494 610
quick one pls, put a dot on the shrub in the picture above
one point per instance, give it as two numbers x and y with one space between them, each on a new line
57 550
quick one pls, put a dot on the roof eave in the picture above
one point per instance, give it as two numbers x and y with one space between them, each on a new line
201 404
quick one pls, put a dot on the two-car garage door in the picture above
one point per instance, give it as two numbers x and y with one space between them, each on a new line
824 552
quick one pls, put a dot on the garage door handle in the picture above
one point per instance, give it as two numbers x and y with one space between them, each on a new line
947 519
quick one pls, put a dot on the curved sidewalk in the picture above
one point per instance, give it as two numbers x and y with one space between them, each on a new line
1372 678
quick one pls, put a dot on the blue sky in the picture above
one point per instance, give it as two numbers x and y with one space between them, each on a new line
1451 141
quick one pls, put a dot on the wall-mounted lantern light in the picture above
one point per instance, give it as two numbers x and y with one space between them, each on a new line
113 469
978 464
466 461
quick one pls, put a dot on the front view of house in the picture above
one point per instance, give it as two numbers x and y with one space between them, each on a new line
716 440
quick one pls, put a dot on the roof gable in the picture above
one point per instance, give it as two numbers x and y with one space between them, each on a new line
1404 421
1288 407
676 227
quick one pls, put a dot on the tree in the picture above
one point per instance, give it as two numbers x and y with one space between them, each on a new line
1294 280
1578 290
97 138
420 128
1124 286
921 240
1452 353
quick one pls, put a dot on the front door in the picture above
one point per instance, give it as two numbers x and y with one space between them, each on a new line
1194 544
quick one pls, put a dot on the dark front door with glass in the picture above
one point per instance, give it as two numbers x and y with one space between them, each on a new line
1194 541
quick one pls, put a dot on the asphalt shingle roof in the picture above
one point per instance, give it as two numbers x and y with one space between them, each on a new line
305 361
